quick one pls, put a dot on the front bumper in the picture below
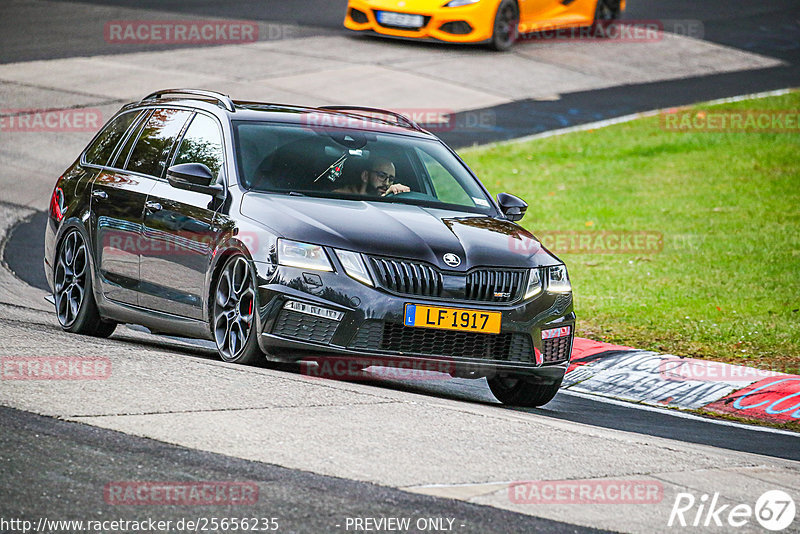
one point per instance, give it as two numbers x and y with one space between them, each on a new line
366 323
444 24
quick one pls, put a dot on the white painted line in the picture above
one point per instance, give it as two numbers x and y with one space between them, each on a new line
628 118
676 413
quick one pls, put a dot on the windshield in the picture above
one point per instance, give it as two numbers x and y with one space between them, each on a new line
354 165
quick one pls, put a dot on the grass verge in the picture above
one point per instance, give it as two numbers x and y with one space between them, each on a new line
726 284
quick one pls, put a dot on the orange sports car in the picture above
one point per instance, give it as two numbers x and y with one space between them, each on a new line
496 22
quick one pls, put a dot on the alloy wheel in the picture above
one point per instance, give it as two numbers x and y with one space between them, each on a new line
234 301
70 278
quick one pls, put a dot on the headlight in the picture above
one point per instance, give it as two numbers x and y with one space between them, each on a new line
303 255
534 284
558 279
459 3
354 266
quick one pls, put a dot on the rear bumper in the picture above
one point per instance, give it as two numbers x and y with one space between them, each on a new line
479 17
363 323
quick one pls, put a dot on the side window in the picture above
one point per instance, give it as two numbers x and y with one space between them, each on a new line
101 149
149 155
122 154
445 185
202 144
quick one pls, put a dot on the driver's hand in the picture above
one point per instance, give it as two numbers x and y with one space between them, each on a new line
397 188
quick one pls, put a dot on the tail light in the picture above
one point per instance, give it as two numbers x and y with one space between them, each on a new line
57 204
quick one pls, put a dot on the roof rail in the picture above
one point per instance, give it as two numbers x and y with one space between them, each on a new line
224 101
399 116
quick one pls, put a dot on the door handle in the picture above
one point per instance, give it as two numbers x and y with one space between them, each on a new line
152 206
99 194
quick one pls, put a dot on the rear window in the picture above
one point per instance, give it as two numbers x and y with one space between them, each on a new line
149 155
101 148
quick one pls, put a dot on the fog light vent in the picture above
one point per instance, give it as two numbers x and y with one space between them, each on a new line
458 27
358 16
305 326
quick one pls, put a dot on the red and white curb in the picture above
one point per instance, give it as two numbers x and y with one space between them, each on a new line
654 379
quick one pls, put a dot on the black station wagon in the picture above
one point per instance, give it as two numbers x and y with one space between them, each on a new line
296 233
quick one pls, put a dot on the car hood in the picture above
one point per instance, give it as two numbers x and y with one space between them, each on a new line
399 230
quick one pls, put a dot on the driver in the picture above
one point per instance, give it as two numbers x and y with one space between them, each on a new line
377 179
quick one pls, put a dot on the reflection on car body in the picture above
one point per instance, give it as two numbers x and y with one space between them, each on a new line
195 215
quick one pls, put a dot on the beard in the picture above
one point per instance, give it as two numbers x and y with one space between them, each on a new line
377 191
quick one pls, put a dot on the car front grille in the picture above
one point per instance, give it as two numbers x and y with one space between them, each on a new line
419 279
556 350
304 327
406 277
494 285
391 337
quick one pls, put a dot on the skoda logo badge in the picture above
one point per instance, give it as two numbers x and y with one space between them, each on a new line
451 259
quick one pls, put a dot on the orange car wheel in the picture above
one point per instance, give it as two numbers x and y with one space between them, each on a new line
607 11
506 25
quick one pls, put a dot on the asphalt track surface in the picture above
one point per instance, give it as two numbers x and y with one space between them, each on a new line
59 466
770 28
36 30
27 263
63 467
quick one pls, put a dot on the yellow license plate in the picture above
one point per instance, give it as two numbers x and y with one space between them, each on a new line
485 322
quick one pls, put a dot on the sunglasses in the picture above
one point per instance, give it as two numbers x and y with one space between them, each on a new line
388 179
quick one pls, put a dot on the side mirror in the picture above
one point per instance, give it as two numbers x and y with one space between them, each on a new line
193 177
513 208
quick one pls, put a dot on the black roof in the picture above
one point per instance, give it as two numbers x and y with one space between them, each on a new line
335 117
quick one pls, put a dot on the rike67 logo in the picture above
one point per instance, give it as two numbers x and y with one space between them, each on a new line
774 511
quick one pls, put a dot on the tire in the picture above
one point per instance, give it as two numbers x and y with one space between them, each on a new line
606 13
516 391
233 308
76 308
506 26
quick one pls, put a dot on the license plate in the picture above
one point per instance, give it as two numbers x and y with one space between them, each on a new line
400 19
485 322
